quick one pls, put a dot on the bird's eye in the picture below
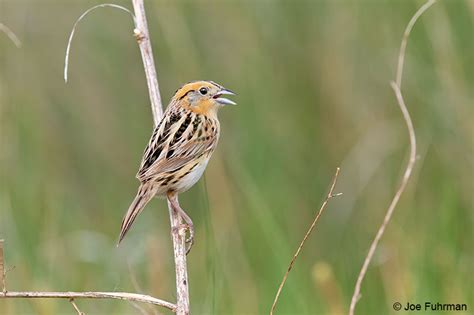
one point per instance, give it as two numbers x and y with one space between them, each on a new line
203 91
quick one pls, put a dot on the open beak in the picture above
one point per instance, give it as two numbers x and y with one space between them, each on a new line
224 101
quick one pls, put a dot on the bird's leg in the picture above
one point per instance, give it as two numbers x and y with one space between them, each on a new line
173 198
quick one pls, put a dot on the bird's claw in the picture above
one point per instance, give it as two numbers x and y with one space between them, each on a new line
189 240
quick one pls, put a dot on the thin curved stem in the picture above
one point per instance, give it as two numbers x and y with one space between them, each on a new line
68 48
406 34
10 34
411 161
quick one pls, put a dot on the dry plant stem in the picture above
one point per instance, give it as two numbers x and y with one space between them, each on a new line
71 35
10 34
79 312
411 162
71 296
403 46
2 269
308 233
134 297
143 39
179 244
182 307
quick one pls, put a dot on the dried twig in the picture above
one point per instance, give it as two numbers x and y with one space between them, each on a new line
143 39
406 34
323 206
179 245
10 34
66 59
79 312
125 296
2 269
182 306
71 296
411 162
142 36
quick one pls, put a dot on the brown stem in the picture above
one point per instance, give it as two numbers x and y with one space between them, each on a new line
308 233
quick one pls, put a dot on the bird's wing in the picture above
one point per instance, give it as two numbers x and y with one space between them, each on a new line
192 151
174 143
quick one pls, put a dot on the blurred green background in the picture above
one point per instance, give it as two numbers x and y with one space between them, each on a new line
313 93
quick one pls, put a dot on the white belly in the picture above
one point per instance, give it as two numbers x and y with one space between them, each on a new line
189 180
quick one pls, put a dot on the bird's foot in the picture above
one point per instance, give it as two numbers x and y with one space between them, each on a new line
181 230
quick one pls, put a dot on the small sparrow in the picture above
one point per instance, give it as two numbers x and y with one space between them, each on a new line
179 149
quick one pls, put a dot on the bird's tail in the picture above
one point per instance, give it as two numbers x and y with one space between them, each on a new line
144 195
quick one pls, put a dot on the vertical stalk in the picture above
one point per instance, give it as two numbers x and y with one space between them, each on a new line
2 269
179 246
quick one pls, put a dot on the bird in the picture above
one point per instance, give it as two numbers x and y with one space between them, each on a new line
179 149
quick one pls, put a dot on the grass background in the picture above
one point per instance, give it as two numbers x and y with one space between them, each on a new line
312 79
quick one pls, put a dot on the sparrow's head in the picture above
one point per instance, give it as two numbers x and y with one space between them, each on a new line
203 97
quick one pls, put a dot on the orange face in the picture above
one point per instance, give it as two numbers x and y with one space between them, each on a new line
202 97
